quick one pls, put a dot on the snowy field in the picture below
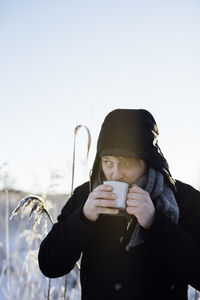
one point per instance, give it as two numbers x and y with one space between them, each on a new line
20 278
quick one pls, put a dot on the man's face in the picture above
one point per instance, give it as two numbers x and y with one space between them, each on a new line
126 169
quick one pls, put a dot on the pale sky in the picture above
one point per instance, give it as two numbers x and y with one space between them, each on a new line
64 63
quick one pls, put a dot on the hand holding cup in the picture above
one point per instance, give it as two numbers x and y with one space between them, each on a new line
100 201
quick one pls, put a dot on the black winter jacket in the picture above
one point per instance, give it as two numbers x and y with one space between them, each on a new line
160 268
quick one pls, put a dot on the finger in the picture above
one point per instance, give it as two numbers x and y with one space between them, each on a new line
104 195
104 203
131 210
103 187
136 189
136 196
107 210
133 203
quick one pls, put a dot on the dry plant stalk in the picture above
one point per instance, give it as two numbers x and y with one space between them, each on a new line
7 242
74 152
72 185
7 237
74 149
38 207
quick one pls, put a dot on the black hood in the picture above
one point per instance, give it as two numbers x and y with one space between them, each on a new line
133 133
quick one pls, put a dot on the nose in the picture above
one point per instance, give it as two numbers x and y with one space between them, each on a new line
117 173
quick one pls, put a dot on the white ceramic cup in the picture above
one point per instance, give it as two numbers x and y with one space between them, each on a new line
121 190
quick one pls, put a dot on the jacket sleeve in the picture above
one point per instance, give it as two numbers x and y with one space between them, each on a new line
63 245
178 245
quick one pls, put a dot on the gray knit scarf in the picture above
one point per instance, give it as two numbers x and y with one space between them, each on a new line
163 198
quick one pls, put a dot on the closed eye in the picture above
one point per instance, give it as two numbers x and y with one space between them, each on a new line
107 162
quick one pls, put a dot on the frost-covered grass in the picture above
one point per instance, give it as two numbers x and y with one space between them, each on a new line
20 277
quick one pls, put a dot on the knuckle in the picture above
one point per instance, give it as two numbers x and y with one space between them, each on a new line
98 188
129 210
97 194
128 202
96 203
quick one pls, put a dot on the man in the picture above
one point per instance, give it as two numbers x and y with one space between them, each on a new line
150 250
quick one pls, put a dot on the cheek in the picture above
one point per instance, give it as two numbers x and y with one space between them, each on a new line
135 173
106 172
